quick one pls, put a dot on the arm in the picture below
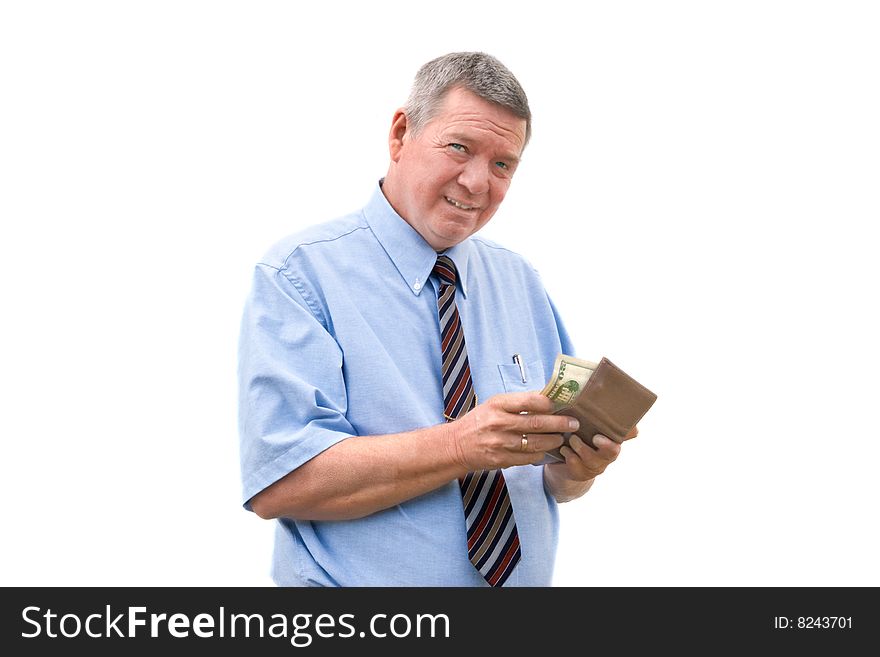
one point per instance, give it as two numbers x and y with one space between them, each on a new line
364 474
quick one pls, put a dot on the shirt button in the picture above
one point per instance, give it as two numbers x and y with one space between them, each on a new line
417 286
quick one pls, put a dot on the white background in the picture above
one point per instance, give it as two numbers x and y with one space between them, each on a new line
700 196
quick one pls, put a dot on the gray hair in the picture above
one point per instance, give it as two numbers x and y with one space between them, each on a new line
479 73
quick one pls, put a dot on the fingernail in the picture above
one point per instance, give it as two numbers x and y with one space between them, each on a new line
601 438
573 424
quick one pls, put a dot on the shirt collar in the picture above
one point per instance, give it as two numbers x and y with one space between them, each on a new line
413 257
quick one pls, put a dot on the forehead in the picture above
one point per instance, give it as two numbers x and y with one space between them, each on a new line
463 110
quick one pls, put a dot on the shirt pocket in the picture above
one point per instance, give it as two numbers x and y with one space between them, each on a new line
512 376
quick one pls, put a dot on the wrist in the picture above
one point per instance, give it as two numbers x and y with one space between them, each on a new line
448 436
564 488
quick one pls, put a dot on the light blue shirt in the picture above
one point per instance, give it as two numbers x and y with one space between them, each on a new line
340 338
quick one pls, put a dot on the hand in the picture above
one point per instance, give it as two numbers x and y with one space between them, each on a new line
569 480
582 462
491 435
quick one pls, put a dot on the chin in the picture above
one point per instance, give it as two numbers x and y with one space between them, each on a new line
456 235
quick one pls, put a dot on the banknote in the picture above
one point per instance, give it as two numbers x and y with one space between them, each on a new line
570 375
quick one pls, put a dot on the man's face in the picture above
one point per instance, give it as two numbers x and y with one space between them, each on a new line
449 180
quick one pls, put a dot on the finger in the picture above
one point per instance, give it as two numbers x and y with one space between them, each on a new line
519 402
632 433
585 462
538 443
576 466
530 457
585 455
539 423
604 448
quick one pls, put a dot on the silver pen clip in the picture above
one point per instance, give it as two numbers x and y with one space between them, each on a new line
522 372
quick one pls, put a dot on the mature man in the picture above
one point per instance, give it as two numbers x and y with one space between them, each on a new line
390 362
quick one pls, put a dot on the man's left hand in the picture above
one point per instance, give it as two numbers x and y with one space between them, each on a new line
569 480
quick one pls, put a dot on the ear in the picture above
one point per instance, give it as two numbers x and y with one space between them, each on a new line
397 134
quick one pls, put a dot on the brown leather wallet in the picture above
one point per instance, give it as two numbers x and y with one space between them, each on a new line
611 403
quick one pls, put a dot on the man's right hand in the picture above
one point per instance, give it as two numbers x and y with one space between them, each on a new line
491 435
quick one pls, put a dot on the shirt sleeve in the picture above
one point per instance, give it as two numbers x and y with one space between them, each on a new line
564 339
292 398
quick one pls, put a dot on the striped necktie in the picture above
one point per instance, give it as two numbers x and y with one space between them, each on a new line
492 539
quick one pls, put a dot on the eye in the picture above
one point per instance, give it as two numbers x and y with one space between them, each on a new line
458 147
502 165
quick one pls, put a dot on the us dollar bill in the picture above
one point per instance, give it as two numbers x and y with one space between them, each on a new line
570 375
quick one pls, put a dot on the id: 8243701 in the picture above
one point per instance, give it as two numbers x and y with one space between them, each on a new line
812 622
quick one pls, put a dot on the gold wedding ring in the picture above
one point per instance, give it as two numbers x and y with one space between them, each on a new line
525 443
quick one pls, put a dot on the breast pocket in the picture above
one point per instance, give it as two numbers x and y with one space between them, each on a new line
512 376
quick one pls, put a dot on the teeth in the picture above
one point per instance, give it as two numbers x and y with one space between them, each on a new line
460 205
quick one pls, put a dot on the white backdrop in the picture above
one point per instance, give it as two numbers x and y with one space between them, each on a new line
700 196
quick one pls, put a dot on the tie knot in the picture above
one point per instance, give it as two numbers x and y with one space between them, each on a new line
445 270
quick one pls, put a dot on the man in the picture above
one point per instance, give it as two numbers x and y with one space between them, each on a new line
390 362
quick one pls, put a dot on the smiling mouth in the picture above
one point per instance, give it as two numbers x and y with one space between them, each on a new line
459 205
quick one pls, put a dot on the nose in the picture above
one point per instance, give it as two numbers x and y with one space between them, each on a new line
474 177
